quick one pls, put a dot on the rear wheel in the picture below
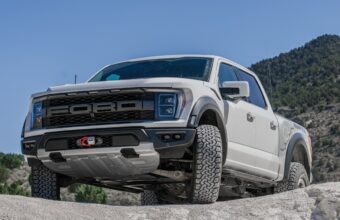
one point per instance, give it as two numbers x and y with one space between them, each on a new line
44 183
297 178
207 165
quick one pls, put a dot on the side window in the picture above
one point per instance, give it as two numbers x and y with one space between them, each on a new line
256 96
226 73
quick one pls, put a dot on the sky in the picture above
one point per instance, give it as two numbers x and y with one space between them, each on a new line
45 43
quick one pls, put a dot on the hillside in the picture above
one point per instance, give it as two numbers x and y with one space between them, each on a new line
315 202
305 78
304 85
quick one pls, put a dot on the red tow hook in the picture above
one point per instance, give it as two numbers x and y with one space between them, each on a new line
87 141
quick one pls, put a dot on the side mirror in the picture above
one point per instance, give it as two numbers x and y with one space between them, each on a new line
235 89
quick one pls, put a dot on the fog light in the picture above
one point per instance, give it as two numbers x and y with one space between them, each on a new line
177 136
29 145
166 137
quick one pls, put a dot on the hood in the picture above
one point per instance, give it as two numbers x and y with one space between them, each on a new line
162 82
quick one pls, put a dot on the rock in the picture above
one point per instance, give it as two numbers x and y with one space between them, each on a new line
315 202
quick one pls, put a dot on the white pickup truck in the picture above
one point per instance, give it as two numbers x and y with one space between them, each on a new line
174 128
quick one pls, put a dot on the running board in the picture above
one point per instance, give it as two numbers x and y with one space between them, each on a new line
248 177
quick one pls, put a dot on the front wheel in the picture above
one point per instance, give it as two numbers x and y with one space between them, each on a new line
297 178
207 165
44 183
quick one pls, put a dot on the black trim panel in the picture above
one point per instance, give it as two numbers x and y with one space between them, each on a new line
297 139
204 104
174 148
33 162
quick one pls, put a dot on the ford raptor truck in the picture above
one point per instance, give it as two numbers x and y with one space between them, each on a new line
183 128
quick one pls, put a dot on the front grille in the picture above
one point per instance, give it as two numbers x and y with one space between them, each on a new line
101 118
82 109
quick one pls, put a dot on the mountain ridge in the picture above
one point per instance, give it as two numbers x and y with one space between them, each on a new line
289 77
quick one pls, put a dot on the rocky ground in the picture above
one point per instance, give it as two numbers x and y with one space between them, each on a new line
320 201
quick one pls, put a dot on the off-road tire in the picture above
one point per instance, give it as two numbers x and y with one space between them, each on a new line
149 197
207 165
44 183
297 173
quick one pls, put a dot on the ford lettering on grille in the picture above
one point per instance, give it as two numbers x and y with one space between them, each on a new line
95 108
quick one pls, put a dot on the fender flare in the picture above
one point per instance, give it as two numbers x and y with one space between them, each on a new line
295 141
204 104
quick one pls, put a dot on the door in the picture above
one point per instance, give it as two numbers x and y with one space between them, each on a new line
240 127
266 126
266 137
240 131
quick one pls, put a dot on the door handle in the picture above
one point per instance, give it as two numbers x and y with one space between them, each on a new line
273 125
250 117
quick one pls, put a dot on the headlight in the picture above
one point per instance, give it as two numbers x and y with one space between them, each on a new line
37 114
166 105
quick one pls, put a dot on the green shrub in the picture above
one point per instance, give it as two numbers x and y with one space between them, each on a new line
4 174
91 194
11 161
73 187
13 189
4 189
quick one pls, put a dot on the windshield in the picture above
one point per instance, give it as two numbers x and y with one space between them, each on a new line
188 67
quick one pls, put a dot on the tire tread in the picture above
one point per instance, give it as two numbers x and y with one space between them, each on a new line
296 170
44 183
207 165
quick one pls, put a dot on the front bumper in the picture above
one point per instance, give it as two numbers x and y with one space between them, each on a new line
133 151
